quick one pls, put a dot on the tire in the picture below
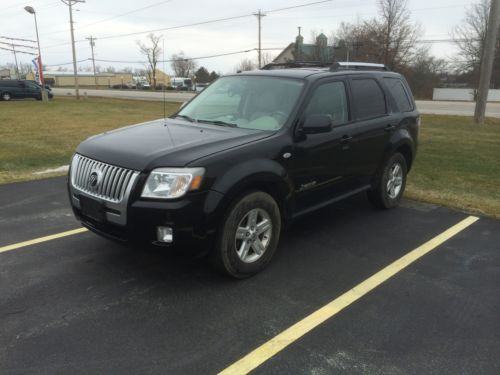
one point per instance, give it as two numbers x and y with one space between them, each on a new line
390 184
6 96
242 248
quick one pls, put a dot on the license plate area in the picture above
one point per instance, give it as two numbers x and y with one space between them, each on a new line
92 208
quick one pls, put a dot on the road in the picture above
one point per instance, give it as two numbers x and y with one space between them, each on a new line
424 106
80 304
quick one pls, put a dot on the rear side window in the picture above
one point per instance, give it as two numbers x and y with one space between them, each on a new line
399 93
368 98
329 99
7 84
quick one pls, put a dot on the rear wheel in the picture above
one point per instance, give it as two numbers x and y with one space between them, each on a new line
6 96
391 183
248 236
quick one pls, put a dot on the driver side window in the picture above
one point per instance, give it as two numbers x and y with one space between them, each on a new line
329 99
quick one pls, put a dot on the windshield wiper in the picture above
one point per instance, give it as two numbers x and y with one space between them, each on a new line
185 117
218 122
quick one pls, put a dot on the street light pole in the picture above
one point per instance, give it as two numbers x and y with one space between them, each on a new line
45 97
69 3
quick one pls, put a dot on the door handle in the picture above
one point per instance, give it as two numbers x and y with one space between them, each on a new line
345 139
389 127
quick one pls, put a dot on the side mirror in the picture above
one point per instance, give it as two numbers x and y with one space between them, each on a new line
314 124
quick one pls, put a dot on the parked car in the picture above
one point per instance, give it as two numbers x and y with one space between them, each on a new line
248 155
201 86
21 89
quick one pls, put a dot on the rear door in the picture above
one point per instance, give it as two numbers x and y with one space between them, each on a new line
322 162
374 125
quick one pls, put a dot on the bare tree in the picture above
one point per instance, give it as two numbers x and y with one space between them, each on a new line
425 73
182 65
470 36
267 58
245 65
152 51
389 39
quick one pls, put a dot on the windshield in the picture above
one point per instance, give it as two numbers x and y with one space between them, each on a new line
251 102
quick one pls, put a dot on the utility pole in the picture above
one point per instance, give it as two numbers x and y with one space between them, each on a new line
487 62
70 3
15 59
259 16
91 39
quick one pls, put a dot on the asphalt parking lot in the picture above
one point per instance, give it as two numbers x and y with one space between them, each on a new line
80 304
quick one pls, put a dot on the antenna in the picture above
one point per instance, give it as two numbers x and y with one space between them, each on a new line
164 98
163 86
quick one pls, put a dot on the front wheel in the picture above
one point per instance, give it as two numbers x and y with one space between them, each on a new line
248 235
6 96
390 184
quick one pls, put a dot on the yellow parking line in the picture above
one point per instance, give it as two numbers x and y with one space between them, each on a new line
287 337
41 239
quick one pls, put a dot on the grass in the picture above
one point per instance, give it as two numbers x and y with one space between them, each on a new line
458 163
35 136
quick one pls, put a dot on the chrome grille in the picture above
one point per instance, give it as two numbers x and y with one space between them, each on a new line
112 181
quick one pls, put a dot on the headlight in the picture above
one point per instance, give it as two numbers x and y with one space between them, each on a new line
170 183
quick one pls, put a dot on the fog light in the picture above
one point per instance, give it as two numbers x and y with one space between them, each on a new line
165 234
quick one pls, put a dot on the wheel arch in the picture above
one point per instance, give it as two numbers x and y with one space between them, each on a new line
402 142
256 175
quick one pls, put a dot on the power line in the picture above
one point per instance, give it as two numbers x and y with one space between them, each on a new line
18 45
16 51
123 14
67 63
22 40
208 21
172 60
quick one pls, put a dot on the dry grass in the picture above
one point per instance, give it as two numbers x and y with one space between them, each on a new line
458 163
36 136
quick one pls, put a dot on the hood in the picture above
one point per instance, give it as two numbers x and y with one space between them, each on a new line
160 143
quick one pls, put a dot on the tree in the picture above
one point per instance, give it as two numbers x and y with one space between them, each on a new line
214 76
182 65
202 75
470 36
110 69
389 39
267 58
152 51
245 65
424 73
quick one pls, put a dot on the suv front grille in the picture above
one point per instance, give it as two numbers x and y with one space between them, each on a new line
101 180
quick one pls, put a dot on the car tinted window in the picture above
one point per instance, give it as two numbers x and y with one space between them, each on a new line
330 99
368 98
399 93
7 83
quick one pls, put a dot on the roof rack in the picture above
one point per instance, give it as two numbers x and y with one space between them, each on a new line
357 66
296 64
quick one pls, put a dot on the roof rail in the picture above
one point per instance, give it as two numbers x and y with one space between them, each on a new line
296 64
357 66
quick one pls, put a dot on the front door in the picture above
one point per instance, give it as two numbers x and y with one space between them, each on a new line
322 162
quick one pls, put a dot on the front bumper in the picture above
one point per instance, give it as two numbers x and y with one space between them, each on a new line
192 218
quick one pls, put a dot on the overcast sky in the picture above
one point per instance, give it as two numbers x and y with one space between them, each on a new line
99 18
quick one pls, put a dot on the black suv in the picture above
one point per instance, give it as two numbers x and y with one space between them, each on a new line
245 156
21 89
